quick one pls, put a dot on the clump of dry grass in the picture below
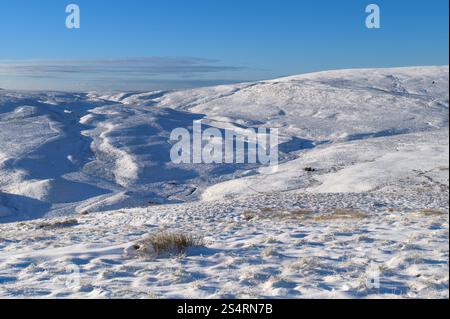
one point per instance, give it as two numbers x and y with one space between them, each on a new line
301 212
432 212
341 213
302 215
59 224
269 251
166 242
248 215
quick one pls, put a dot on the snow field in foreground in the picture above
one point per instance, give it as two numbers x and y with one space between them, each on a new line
283 245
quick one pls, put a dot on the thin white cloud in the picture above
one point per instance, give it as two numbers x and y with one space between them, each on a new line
116 74
149 66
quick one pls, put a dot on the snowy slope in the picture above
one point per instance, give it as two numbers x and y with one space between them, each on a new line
330 106
62 153
376 140
353 117
415 160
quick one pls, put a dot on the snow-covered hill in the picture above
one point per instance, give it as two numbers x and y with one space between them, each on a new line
64 153
373 140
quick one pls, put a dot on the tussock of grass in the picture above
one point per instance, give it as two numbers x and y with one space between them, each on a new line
248 215
59 224
166 242
303 215
432 212
307 264
340 214
301 212
269 251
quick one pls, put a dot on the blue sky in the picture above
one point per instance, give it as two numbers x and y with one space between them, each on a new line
163 44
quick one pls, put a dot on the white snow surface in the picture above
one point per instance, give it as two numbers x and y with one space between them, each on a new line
376 200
